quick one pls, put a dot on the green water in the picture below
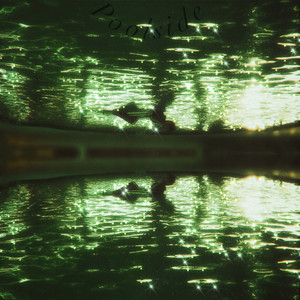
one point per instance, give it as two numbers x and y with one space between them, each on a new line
207 236
210 238
62 66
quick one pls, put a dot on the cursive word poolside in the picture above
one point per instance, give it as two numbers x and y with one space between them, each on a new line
155 32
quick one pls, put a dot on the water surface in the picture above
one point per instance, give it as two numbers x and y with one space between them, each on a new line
208 236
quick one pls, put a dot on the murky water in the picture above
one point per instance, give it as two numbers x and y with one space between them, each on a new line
68 65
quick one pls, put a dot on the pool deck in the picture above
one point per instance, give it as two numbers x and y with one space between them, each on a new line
38 152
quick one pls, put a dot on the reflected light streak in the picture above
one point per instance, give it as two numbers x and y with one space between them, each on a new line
260 199
257 99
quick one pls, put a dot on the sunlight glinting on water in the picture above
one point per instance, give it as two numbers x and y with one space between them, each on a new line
240 103
204 89
232 219
228 205
205 235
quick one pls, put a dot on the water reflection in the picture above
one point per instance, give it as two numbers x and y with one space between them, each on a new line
238 63
224 237
146 237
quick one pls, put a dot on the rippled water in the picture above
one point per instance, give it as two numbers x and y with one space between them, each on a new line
207 236
61 65
211 238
